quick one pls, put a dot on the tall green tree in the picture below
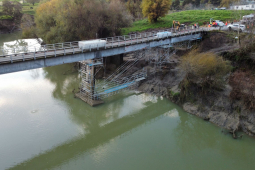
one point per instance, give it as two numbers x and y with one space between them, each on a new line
154 9
134 7
12 9
73 20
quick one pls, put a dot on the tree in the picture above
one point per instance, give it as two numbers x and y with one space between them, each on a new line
185 2
215 2
195 3
176 4
33 1
13 9
154 9
28 26
74 20
227 3
134 7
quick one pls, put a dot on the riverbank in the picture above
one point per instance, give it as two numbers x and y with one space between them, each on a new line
231 107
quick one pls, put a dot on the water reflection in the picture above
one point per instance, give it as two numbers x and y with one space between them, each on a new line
100 124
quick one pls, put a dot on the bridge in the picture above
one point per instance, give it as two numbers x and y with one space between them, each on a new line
27 58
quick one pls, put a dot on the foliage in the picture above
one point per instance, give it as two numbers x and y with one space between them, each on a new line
193 2
28 26
134 7
176 5
33 1
154 9
5 17
227 3
69 20
13 9
188 7
243 84
188 17
206 70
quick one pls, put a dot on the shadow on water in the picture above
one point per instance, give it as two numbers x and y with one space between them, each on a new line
94 120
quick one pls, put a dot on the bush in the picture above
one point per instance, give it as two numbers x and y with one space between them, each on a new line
205 70
243 84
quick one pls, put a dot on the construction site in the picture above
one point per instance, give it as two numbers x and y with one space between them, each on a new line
99 80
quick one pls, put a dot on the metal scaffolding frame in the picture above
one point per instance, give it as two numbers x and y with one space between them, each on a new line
90 91
121 79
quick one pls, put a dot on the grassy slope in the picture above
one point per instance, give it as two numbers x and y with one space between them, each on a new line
187 17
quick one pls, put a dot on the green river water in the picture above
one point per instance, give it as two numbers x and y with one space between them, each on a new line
42 126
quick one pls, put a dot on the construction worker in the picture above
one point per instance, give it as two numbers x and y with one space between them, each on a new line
209 26
195 25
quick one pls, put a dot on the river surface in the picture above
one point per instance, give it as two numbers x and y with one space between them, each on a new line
42 126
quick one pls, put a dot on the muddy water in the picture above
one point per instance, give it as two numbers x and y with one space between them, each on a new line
42 126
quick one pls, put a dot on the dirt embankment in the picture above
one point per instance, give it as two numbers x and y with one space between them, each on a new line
232 108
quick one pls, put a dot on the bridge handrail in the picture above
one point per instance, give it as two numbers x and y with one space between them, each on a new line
8 55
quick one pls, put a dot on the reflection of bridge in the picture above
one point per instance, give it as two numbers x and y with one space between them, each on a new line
56 54
99 136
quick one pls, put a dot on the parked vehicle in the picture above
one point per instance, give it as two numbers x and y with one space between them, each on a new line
91 44
182 26
216 23
247 19
219 23
235 27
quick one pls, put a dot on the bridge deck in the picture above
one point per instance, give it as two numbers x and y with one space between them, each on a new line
52 50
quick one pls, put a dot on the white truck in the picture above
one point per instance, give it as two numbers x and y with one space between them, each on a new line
91 44
247 19
236 27
163 34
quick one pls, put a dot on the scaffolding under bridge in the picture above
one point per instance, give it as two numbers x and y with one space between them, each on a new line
93 92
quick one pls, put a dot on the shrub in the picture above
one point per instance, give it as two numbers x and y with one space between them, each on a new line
243 84
205 70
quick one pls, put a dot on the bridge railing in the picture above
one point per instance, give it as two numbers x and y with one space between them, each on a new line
28 52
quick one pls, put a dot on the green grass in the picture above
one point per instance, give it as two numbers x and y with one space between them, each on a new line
186 17
5 17
25 9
